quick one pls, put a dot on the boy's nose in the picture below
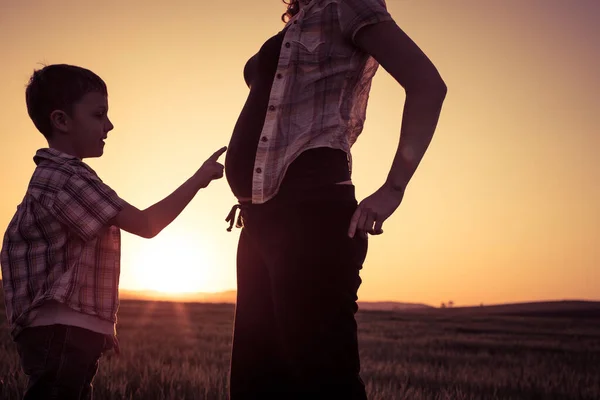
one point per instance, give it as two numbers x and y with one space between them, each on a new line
109 126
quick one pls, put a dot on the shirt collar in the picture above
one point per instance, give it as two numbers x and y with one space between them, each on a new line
303 11
53 155
307 4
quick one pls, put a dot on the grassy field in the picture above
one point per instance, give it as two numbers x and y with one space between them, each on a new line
181 351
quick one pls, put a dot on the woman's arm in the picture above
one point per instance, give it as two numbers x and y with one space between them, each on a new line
425 93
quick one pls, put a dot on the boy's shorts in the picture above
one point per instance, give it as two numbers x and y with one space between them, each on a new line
60 361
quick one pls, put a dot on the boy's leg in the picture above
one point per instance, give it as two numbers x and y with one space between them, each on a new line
60 361
315 268
87 392
255 370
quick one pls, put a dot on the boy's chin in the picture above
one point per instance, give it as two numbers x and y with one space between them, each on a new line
95 153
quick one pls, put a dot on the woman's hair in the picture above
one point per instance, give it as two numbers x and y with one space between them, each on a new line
292 9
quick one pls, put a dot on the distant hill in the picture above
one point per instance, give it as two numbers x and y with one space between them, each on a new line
230 297
391 306
558 308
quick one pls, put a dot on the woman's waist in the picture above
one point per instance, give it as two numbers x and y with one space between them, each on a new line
294 193
311 170
288 201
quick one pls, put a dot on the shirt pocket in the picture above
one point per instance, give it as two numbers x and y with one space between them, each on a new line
310 42
322 45
310 47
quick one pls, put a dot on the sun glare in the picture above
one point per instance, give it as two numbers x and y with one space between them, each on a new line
174 264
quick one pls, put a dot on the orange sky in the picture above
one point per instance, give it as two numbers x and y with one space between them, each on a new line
506 204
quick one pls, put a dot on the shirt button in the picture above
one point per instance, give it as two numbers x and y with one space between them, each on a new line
272 108
258 170
264 139
288 45
279 76
296 22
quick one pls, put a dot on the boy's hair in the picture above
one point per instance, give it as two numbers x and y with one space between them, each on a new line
58 87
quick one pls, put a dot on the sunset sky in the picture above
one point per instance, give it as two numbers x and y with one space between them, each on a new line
504 208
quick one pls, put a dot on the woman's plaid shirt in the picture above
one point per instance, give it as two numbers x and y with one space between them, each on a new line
321 87
58 246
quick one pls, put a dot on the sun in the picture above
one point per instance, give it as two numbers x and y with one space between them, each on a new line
172 263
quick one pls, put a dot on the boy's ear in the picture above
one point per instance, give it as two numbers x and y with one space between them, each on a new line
59 120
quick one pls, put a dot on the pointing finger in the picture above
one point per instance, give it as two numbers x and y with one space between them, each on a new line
218 154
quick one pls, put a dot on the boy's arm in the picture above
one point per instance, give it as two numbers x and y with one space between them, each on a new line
151 221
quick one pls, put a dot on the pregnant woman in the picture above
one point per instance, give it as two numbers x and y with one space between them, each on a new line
304 237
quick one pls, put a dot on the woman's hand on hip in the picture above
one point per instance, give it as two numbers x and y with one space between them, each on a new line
372 212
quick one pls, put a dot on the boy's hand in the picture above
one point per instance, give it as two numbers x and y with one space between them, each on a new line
111 342
116 346
211 169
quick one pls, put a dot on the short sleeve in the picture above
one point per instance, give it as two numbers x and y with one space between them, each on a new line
86 205
356 14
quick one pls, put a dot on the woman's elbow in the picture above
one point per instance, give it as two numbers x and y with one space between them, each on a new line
431 86
441 89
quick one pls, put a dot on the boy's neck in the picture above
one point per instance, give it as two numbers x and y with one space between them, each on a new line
66 148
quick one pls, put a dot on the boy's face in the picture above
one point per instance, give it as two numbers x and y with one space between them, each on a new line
89 125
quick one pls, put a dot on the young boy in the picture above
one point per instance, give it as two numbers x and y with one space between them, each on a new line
61 252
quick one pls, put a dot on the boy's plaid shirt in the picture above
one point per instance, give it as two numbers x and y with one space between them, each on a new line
58 246
321 87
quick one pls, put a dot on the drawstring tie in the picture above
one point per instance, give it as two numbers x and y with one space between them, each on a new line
231 218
